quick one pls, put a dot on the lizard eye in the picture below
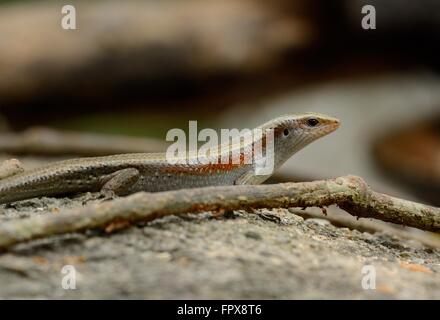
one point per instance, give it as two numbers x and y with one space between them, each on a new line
312 122
286 132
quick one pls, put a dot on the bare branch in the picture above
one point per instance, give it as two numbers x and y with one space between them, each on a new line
370 226
45 141
349 192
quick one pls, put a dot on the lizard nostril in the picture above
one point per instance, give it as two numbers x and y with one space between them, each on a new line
286 132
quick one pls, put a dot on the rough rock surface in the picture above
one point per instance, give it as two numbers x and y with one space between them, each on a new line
271 254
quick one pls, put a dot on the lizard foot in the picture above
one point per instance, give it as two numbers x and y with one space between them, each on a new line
106 195
88 197
268 216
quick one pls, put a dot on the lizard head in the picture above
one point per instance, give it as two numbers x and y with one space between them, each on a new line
295 131
309 126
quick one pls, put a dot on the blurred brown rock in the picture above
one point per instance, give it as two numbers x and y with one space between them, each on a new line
412 156
123 44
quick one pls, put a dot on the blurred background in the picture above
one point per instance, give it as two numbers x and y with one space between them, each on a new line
134 69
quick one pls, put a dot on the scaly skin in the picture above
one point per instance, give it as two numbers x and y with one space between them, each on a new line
128 173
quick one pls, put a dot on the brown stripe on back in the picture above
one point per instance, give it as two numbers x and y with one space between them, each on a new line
205 168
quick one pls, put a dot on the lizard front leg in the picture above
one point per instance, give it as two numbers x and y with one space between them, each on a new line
119 183
250 177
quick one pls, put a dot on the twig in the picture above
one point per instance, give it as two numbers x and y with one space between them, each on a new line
45 141
370 226
350 193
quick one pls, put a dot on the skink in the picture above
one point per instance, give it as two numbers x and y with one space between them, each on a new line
128 173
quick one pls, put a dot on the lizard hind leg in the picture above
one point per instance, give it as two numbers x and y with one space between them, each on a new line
10 168
119 183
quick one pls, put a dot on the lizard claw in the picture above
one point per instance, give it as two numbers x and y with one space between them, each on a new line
107 195
97 196
269 217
